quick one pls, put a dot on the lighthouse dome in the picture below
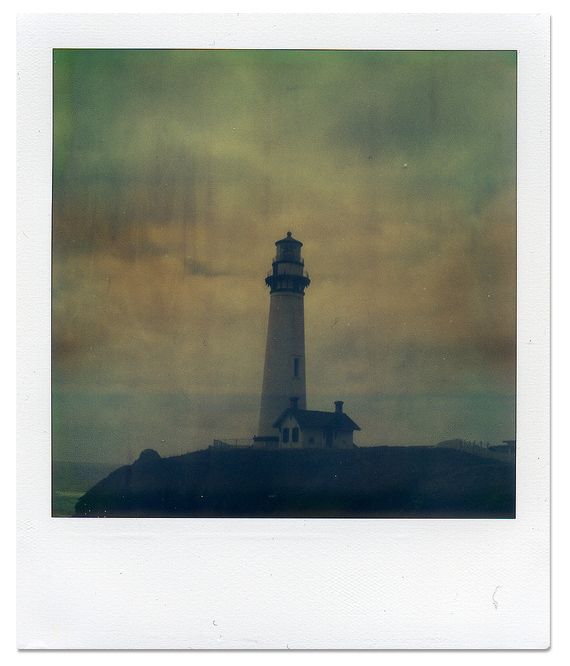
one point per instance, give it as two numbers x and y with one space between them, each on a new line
289 239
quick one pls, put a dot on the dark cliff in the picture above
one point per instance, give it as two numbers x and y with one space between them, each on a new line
387 482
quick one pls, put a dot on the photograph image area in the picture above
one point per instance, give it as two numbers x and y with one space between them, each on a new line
284 283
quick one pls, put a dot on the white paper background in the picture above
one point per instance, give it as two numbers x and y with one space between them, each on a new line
282 583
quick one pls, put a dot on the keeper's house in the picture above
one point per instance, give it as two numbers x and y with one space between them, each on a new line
304 428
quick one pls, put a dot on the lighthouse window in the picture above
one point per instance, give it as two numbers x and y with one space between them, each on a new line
285 435
295 435
295 367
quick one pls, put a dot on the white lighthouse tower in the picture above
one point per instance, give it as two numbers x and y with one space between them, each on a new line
284 374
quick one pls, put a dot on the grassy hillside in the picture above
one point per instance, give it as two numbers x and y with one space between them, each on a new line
388 482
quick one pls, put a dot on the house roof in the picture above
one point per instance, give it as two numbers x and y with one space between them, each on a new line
314 420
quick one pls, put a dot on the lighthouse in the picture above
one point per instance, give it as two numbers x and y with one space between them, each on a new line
284 380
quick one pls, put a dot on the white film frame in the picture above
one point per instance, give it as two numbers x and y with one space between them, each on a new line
283 583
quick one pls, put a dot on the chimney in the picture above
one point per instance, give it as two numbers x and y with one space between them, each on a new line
338 406
294 402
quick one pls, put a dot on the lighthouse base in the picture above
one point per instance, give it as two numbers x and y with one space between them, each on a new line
265 442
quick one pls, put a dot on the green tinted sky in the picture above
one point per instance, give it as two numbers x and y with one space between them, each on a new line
175 172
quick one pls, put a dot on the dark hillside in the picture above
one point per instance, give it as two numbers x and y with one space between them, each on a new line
387 482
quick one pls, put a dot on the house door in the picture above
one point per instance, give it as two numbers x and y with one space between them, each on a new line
328 439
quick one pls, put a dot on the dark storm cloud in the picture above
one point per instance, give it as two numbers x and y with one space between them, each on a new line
174 173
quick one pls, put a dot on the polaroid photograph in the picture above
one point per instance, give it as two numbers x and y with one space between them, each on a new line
284 348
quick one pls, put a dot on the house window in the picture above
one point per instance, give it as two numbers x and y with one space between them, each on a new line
295 367
285 435
295 435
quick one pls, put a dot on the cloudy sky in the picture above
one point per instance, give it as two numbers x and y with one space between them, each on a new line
176 171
